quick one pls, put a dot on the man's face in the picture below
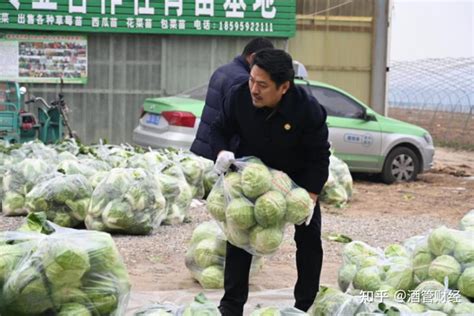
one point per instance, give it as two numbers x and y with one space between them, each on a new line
264 90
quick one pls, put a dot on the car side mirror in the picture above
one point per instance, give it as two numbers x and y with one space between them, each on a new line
368 116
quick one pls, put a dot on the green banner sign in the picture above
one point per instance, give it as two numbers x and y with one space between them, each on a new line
273 18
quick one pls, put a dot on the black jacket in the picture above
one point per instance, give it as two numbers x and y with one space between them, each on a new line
220 83
292 138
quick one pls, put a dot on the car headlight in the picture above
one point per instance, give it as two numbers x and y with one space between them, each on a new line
427 137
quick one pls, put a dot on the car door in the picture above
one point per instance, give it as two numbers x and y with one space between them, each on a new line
354 139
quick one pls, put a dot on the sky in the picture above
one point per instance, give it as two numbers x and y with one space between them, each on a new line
431 29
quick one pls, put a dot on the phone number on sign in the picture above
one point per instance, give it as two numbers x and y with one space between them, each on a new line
245 26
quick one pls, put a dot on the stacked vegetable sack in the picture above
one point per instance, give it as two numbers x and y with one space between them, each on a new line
254 204
50 270
433 273
102 187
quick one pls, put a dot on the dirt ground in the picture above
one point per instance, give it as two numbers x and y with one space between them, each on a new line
378 214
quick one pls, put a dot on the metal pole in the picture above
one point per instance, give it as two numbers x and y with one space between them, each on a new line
378 95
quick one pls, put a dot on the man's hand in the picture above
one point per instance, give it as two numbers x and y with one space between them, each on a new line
314 197
223 161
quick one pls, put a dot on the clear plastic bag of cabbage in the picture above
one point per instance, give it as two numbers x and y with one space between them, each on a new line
86 167
64 198
68 272
205 257
19 179
369 269
194 169
200 306
69 145
333 302
116 156
35 149
254 203
177 192
338 188
447 256
467 222
127 201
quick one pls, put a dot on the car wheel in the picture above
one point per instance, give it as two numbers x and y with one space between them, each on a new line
401 165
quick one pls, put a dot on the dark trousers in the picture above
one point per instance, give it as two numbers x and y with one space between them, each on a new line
309 259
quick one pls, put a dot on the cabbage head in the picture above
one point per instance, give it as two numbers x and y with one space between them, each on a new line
118 215
355 252
232 185
212 277
266 241
192 169
281 182
103 295
205 253
467 222
25 292
298 205
65 263
103 254
421 264
445 266
10 255
368 279
205 230
237 237
395 250
201 306
216 204
345 275
270 209
399 276
13 203
435 302
464 249
334 195
240 213
369 262
334 302
466 282
442 241
256 179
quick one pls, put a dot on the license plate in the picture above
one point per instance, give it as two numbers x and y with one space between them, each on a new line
153 119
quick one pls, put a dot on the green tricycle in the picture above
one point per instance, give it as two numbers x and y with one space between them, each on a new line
19 125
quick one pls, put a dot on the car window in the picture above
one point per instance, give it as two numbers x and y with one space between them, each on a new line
336 103
198 93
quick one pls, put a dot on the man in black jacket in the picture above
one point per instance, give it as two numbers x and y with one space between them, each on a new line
285 127
220 83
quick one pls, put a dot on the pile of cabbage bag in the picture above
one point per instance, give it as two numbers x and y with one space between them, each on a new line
441 262
64 198
69 272
126 201
338 188
18 180
205 258
255 203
